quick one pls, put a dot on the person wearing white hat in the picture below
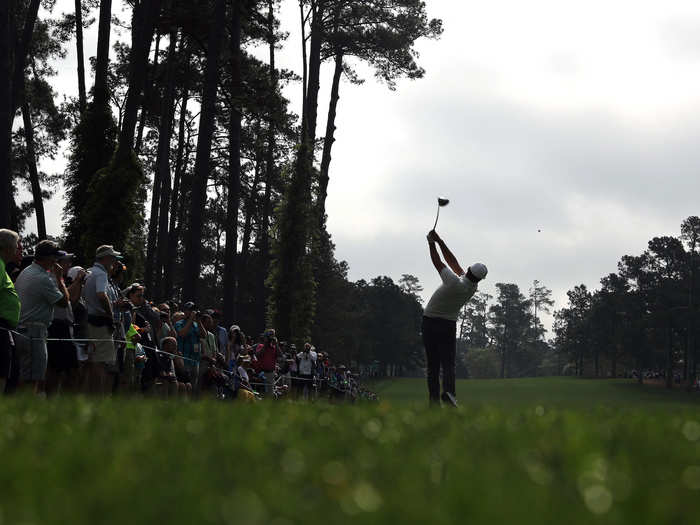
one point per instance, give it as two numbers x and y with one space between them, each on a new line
440 318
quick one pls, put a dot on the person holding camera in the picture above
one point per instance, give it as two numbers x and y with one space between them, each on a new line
307 366
188 340
267 353
40 288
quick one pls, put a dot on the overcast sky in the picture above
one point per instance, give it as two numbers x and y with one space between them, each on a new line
575 118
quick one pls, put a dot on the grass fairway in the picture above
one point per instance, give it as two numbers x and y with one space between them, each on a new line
549 392
516 452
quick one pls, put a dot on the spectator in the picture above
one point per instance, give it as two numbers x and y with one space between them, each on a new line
166 324
101 319
40 287
307 366
18 262
79 326
168 374
236 345
184 379
221 333
147 319
207 345
62 370
144 314
267 354
188 341
9 303
121 310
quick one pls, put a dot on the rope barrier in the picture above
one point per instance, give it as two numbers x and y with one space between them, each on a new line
275 382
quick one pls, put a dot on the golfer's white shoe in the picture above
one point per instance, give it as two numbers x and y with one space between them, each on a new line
448 397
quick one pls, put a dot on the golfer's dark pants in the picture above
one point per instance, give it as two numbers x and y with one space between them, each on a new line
439 339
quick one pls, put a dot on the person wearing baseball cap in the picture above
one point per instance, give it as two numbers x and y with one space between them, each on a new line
40 288
103 353
440 318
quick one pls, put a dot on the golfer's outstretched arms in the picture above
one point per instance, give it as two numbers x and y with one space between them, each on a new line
434 256
450 259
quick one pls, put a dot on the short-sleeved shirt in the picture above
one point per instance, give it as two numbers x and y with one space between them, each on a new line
188 343
450 297
307 362
9 300
97 282
38 292
209 347
130 333
222 338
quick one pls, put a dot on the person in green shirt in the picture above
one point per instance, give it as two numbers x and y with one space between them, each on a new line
9 303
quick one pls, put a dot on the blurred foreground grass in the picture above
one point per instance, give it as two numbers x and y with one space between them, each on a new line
79 461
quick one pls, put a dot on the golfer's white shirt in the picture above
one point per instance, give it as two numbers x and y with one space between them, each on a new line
449 298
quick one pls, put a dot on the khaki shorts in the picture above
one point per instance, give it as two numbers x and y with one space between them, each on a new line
103 350
32 357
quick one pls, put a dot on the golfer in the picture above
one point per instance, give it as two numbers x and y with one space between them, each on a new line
440 318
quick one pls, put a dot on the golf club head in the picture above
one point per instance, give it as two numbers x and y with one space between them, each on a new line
443 202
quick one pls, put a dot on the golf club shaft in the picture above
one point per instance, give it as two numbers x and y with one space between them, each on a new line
436 218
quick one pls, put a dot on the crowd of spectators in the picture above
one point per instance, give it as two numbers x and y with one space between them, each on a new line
65 328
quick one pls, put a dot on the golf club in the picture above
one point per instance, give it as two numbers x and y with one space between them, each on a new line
441 203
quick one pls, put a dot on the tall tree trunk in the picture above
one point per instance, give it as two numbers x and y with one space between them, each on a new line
174 226
311 113
669 352
6 111
193 253
304 56
82 97
33 171
165 196
20 56
250 206
596 357
100 93
12 93
147 95
234 170
161 178
143 23
690 328
329 140
264 225
294 298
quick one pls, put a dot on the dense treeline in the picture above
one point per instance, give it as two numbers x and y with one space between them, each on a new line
642 322
643 318
185 154
503 336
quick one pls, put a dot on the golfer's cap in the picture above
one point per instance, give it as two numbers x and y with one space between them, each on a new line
478 270
73 272
105 250
234 328
47 249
